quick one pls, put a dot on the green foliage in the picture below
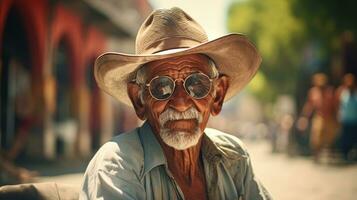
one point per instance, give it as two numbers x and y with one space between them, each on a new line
278 34
259 87
327 18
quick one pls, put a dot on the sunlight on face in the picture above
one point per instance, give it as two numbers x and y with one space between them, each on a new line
180 140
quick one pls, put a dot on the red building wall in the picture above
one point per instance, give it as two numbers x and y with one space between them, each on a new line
44 31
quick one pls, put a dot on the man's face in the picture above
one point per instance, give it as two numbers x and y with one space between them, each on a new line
181 119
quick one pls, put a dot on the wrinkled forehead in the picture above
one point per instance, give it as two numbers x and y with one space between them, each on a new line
187 63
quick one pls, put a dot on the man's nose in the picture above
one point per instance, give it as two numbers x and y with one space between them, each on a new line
180 100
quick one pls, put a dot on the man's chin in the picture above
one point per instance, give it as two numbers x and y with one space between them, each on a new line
180 140
181 145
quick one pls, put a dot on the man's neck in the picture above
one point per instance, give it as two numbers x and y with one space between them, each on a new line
186 168
185 162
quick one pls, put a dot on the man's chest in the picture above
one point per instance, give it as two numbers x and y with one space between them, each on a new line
219 184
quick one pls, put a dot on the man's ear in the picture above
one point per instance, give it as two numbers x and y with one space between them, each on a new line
222 84
134 95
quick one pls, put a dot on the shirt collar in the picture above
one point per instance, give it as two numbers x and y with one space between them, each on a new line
218 146
210 151
153 153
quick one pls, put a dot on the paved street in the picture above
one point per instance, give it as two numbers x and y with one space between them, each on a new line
286 178
300 178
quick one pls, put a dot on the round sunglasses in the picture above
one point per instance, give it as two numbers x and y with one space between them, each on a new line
197 85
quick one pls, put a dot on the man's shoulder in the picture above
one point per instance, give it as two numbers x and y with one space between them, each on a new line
229 144
123 149
124 142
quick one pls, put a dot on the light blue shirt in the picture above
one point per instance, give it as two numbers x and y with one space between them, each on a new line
348 106
133 166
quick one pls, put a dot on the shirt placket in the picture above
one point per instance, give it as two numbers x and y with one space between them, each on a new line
211 173
177 187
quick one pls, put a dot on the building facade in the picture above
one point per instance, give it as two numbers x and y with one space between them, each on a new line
50 106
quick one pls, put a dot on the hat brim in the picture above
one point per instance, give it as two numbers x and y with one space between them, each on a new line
233 54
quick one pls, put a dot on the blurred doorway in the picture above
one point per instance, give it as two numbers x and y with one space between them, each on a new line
64 120
94 106
16 86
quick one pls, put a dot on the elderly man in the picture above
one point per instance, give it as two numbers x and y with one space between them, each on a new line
175 81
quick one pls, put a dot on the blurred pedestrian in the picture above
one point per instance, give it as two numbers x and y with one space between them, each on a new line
347 114
321 106
284 120
21 107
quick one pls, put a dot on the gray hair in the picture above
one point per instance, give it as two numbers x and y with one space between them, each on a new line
141 76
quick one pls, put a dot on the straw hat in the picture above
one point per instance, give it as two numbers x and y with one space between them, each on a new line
169 33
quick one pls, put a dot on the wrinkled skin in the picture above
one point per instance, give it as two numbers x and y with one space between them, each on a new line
185 165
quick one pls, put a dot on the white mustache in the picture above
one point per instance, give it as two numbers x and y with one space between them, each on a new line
171 114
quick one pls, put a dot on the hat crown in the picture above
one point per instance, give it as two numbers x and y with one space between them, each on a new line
168 29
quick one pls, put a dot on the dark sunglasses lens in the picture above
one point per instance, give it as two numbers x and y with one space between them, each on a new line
198 85
162 87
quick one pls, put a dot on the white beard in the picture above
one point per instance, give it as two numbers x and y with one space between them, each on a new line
180 140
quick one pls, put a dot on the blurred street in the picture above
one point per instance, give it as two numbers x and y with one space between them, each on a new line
300 178
286 178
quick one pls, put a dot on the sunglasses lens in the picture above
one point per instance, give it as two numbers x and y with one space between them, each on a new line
198 85
162 87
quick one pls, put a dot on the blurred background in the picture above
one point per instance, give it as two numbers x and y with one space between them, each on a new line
298 116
